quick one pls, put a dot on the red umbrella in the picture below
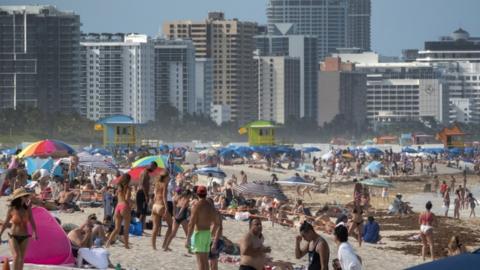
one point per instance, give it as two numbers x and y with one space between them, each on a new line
135 174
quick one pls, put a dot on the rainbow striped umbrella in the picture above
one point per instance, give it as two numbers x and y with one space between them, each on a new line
162 162
47 148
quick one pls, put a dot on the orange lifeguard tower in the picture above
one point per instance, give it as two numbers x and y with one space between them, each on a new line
452 137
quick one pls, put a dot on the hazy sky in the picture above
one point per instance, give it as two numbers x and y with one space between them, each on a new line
396 24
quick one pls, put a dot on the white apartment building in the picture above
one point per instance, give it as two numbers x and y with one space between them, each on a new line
220 113
117 76
278 88
460 110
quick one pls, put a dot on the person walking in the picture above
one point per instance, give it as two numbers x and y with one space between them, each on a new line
122 214
426 221
317 248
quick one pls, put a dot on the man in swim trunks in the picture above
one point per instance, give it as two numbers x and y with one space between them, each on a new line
158 208
143 193
252 251
199 238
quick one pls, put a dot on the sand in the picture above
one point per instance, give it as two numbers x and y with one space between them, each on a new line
390 255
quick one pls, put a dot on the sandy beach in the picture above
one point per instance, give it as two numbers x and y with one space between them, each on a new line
397 248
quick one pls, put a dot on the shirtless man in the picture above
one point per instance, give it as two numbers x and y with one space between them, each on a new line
159 206
252 251
82 237
66 197
317 248
143 193
204 216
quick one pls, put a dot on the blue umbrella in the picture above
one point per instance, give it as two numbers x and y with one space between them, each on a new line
374 167
230 154
373 151
433 150
465 261
311 149
101 151
215 171
9 152
409 150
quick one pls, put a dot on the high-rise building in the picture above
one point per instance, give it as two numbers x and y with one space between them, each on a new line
230 45
284 43
39 56
117 76
341 92
278 88
457 57
324 19
203 85
358 24
175 74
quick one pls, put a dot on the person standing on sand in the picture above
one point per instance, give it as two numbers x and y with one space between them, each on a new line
199 237
244 179
122 211
357 193
452 184
181 203
252 251
446 200
347 257
317 248
143 193
456 204
159 206
473 202
19 216
443 188
426 220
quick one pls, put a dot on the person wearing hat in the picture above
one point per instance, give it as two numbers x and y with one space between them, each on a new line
19 215
199 237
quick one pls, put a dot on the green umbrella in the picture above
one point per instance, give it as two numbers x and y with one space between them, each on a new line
377 182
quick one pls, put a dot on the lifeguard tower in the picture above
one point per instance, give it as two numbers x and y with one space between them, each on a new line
259 133
452 137
118 131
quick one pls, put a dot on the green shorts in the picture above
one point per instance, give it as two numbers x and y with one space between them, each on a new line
200 241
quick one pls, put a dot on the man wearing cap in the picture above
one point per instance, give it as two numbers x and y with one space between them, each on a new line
199 237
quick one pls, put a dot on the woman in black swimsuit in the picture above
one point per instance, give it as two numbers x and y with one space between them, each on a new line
19 215
317 248
182 203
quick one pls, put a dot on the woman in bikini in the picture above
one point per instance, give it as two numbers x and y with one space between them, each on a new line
356 224
19 215
159 207
182 203
426 220
122 211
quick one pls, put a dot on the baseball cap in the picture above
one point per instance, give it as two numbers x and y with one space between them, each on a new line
201 190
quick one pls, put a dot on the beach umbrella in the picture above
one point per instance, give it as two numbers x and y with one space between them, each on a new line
101 151
215 171
295 181
260 190
311 149
373 151
376 182
8 152
327 156
409 150
47 148
465 261
229 154
162 162
368 142
374 167
136 173
305 168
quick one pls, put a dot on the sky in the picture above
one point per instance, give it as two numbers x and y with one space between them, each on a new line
396 24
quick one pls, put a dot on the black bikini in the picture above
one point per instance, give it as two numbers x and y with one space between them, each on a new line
314 258
19 238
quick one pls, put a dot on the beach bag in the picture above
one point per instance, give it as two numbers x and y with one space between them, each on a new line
135 228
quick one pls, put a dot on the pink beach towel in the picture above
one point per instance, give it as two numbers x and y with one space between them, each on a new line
52 246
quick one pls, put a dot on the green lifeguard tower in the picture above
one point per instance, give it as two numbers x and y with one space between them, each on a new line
259 133
118 131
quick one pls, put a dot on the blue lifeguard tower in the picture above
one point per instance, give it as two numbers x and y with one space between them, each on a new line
118 131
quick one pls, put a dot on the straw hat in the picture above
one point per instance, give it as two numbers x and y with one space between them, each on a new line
18 193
